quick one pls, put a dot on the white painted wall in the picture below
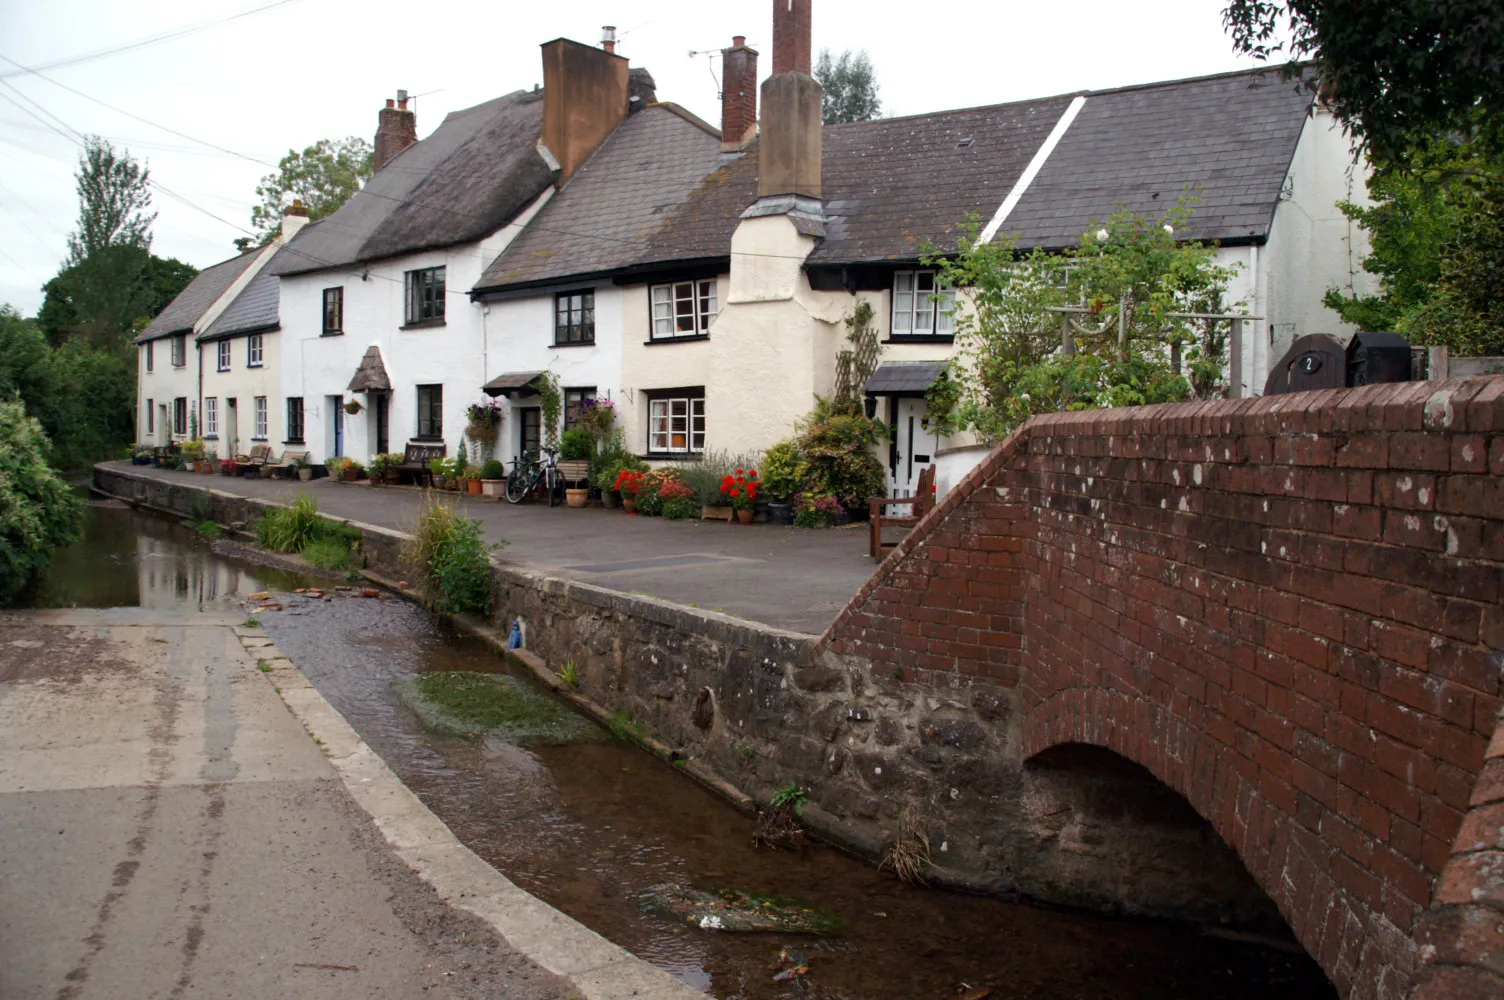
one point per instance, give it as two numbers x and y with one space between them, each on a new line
243 383
455 355
163 384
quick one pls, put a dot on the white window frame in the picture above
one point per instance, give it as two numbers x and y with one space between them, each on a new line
211 416
223 356
150 355
672 416
255 351
683 309
260 432
920 311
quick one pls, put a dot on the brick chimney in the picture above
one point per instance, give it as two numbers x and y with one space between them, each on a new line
791 154
584 97
294 217
396 129
738 94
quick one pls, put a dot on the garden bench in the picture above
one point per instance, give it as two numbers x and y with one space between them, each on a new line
921 502
287 465
415 459
260 455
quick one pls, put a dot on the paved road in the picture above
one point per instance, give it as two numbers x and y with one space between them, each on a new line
169 830
786 577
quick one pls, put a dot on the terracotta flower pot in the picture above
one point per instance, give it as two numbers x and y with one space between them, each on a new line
576 498
629 504
746 516
352 475
472 487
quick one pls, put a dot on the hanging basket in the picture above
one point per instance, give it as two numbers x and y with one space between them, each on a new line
484 433
353 407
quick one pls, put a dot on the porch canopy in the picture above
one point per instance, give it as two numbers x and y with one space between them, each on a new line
371 375
512 384
903 378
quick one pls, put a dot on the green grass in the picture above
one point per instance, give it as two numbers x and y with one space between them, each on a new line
791 795
331 554
464 704
569 677
253 622
206 529
747 750
623 728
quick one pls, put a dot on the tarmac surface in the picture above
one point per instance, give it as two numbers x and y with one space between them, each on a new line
790 578
172 830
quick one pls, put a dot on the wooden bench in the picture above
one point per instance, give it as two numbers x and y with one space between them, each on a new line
260 455
922 500
287 465
415 459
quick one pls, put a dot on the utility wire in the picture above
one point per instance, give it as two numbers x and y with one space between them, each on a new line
157 39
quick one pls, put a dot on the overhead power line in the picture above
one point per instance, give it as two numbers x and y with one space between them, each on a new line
141 43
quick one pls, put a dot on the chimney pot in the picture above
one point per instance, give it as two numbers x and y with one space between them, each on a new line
396 129
608 38
791 36
391 103
738 41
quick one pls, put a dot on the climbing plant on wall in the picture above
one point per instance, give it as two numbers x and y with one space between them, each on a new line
551 400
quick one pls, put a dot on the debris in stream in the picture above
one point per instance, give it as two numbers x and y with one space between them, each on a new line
738 912
794 965
778 825
467 704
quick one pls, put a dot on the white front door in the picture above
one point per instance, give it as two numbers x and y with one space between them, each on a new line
232 429
915 447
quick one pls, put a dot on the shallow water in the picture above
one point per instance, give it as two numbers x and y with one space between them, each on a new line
591 828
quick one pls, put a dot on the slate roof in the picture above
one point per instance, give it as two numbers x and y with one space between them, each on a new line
465 181
894 378
254 310
370 374
512 383
192 302
618 208
892 185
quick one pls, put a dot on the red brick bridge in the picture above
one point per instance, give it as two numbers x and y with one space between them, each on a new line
1288 609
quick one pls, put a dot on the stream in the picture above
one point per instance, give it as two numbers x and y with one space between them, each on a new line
591 828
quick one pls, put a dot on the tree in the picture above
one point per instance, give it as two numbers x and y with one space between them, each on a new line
1389 71
323 177
850 86
114 197
109 295
38 512
1129 278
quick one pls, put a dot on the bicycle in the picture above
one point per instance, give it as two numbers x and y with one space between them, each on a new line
529 471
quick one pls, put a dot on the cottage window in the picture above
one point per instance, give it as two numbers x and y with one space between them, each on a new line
920 308
425 296
224 355
573 400
150 359
431 412
334 311
260 433
253 351
683 309
574 318
211 416
676 423
180 415
179 351
151 416
294 420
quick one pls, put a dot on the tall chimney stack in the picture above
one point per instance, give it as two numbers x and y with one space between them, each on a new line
608 38
738 94
791 155
396 129
585 96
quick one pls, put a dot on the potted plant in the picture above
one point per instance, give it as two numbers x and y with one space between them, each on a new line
305 468
814 509
390 473
192 453
472 480
377 469
354 471
438 469
629 482
483 425
677 499
493 478
741 490
336 465
352 406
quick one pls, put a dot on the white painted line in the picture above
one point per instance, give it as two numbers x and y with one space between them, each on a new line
1035 166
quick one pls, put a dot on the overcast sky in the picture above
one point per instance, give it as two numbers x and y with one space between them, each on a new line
303 70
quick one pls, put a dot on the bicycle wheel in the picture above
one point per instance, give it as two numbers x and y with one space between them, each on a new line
518 486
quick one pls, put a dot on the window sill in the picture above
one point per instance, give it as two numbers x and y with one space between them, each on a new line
676 340
293 441
428 438
574 343
332 333
422 324
922 338
254 438
221 369
673 456
211 437
258 364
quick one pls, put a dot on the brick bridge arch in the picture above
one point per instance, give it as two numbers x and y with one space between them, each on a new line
1287 609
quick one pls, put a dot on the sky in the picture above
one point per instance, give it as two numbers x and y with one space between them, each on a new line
241 82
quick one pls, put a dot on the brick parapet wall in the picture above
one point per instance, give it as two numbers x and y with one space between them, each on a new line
1287 608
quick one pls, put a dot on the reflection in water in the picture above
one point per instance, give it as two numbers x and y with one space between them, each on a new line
591 828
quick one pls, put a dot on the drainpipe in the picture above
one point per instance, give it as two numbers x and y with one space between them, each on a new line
1258 346
200 353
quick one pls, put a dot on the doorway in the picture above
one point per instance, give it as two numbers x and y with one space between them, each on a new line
378 430
334 443
914 445
232 427
530 430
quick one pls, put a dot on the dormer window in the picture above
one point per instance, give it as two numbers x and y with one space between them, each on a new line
920 308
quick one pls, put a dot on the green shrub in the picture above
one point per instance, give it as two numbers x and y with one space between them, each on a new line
576 445
678 508
328 554
493 469
290 529
780 471
449 557
706 475
835 452
38 512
